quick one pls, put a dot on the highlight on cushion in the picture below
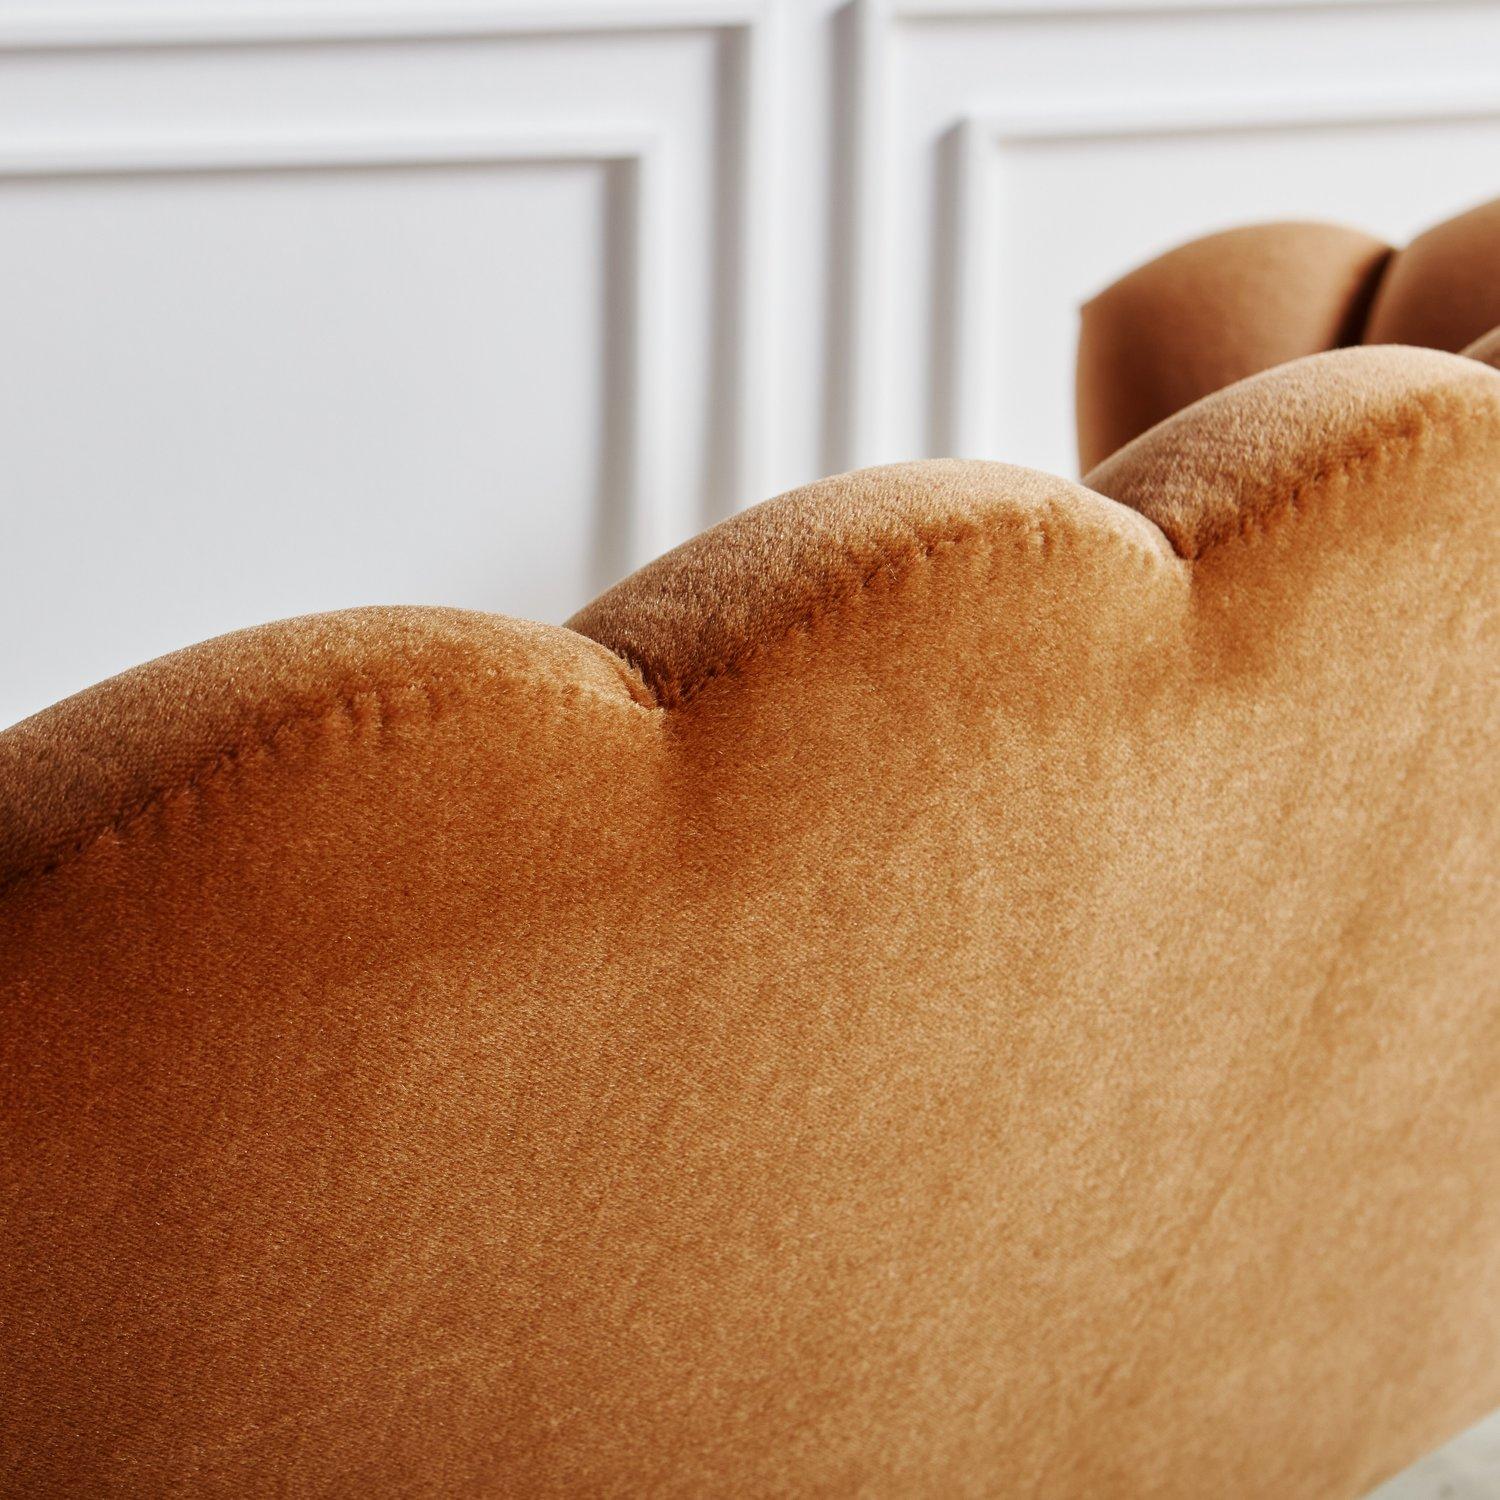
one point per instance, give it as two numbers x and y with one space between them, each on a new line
954 982
1443 290
1235 303
1487 349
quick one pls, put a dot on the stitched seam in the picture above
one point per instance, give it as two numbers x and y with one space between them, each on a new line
210 770
237 756
894 570
671 693
676 693
1441 419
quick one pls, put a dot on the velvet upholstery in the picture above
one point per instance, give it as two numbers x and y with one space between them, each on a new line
1486 349
954 982
1236 303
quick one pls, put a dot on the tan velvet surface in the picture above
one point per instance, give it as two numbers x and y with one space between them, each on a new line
999 999
1443 290
1212 312
1233 304
1486 350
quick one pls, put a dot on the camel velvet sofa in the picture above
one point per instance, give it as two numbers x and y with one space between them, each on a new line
955 982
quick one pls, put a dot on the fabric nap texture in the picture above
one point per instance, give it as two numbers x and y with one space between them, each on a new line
954 982
1236 303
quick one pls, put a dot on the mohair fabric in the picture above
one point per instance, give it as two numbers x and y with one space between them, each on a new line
1233 304
1486 349
1443 290
955 982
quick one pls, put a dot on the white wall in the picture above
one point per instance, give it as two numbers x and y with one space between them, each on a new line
312 304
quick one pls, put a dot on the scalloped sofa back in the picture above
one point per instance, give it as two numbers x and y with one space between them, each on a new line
1233 304
954 982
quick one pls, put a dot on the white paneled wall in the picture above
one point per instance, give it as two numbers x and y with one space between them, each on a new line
306 305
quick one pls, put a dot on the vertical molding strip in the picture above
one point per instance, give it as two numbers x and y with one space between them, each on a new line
973 362
868 361
658 519
758 312
651 525
976 337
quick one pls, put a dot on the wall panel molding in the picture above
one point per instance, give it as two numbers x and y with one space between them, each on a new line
817 217
748 27
219 23
640 524
974 337
959 10
882 28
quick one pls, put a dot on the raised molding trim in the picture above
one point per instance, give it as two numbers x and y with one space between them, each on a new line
974 338
959 10
869 354
748 25
633 489
867 362
221 23
270 151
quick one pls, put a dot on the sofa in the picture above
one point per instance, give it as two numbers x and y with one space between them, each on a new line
954 982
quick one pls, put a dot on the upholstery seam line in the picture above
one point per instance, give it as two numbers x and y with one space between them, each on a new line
670 694
232 757
1432 418
673 692
676 693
